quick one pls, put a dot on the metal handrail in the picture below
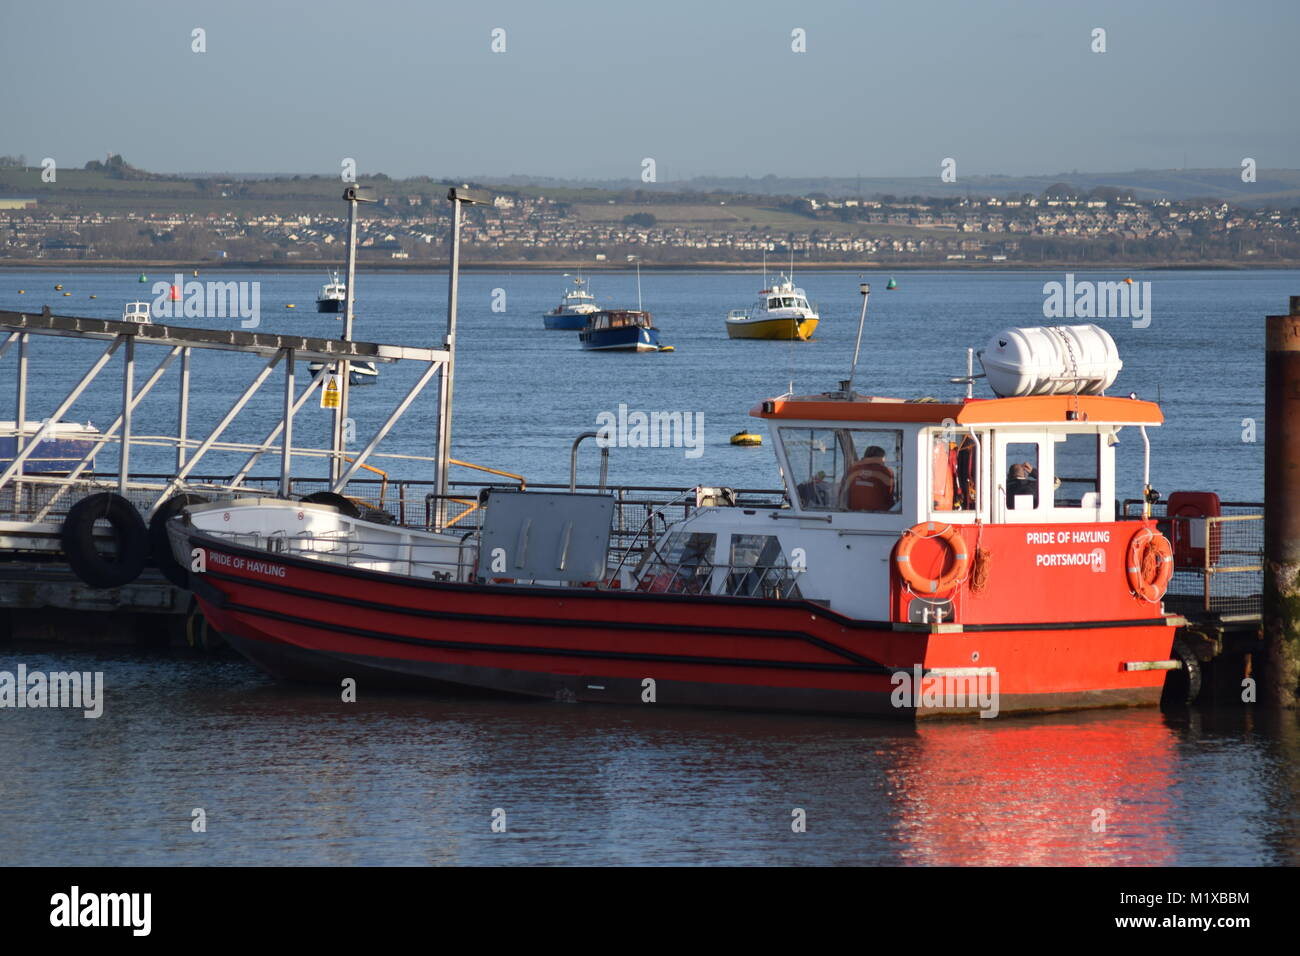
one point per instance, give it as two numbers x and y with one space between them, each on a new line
491 471
383 487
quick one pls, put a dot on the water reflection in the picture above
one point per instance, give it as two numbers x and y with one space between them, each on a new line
292 775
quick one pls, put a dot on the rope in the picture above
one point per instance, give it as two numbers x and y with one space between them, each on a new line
979 571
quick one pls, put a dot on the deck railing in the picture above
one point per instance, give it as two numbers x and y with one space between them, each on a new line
1219 561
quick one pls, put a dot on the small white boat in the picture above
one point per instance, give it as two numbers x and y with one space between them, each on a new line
359 373
781 312
572 312
137 312
333 295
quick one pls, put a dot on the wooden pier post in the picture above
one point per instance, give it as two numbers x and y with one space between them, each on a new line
1282 507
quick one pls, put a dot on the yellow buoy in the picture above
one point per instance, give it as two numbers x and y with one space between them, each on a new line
58 288
666 348
67 293
291 306
746 438
22 291
94 297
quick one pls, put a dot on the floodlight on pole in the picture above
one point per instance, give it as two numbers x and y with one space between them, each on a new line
459 196
352 195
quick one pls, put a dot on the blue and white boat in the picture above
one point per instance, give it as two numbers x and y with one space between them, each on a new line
333 295
63 446
620 330
574 309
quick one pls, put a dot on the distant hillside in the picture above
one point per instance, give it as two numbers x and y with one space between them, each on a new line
1273 186
115 185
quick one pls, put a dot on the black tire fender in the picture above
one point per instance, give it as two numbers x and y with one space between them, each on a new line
160 548
1182 686
344 506
131 538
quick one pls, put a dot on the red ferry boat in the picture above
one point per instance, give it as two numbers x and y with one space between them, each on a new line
931 558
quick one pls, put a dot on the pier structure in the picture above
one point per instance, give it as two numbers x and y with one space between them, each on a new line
1282 503
35 503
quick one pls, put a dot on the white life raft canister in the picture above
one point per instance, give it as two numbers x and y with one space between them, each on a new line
1051 360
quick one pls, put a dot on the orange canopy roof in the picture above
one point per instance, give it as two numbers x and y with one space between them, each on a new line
1033 409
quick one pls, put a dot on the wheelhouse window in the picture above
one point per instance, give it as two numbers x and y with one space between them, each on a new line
846 469
1078 472
1022 476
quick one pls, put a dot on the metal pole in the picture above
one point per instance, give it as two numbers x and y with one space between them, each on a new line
865 289
447 381
183 412
128 392
1281 603
22 415
343 366
286 452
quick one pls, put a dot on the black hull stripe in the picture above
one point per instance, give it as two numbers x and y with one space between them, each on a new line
860 663
557 651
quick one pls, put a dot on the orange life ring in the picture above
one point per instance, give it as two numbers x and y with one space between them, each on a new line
1143 541
950 537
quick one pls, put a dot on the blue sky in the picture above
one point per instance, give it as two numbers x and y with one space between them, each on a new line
589 89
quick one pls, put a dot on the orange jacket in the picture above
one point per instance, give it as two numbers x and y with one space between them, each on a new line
869 486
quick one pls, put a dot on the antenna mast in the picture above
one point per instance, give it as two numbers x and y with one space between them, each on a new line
847 386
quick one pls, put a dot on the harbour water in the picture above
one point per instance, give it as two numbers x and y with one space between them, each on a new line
523 394
294 775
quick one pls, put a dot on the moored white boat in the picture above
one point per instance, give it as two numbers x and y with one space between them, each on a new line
574 309
333 296
781 312
359 373
137 312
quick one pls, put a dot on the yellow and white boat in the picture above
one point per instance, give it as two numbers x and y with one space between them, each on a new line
781 312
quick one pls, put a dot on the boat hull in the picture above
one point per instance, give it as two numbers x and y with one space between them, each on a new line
628 339
329 305
783 329
309 620
564 323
